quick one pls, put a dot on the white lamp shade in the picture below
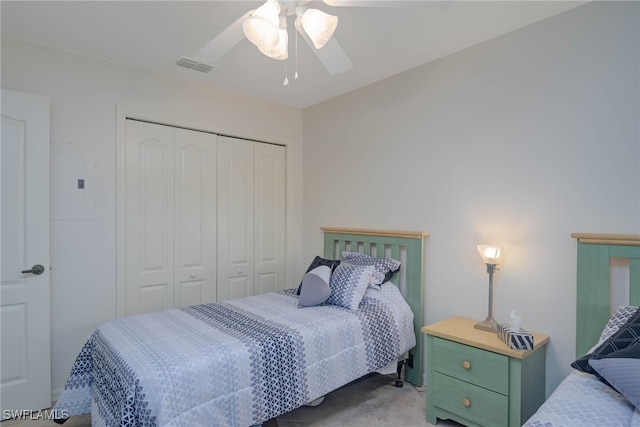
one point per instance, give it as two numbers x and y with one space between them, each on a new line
489 254
279 51
319 26
262 27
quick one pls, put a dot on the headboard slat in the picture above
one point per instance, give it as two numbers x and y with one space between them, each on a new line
366 248
634 277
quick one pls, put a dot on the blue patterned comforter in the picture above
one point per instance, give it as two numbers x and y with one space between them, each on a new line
234 363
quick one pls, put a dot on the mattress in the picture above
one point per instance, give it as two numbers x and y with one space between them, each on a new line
233 363
581 400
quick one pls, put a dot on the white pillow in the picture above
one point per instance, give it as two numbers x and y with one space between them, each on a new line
314 289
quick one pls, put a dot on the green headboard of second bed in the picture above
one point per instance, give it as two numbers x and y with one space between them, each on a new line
404 246
593 281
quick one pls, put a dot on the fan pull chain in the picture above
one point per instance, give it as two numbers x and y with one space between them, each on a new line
295 75
286 80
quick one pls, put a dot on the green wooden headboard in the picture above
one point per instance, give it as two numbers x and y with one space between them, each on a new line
593 281
405 246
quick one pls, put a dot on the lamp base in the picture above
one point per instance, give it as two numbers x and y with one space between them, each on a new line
489 324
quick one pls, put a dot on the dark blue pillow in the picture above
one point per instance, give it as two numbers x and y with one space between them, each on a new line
616 346
317 262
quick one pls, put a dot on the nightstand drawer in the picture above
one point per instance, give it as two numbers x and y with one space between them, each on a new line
484 407
470 364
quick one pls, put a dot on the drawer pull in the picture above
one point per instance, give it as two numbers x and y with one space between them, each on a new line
466 365
466 402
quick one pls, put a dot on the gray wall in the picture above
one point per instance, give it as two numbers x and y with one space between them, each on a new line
518 141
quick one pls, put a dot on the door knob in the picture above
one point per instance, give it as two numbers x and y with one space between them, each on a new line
36 269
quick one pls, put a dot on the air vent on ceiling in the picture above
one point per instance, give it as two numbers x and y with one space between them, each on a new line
194 65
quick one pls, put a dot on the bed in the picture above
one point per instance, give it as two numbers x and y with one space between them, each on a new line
242 362
604 389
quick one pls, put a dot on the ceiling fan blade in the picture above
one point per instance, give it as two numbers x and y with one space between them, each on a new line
332 56
223 42
389 3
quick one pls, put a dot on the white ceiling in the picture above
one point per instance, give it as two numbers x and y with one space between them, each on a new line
380 41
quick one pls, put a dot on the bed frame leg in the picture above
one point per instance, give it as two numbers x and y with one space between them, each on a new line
399 382
409 362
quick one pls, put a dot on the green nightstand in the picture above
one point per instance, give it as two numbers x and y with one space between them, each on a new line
474 378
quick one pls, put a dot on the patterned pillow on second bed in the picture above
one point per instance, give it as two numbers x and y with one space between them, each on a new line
628 333
616 361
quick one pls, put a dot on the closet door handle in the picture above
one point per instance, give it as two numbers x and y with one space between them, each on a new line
36 269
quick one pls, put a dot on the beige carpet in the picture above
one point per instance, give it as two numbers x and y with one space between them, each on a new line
371 402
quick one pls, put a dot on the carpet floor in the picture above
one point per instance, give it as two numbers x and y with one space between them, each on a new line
371 402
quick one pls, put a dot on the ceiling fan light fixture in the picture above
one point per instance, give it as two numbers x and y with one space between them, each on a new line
318 25
281 50
262 27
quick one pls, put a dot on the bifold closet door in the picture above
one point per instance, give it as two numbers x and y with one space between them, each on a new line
269 217
149 182
170 217
251 217
195 217
235 218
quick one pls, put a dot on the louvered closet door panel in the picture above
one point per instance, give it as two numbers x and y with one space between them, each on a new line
235 218
269 217
195 217
149 181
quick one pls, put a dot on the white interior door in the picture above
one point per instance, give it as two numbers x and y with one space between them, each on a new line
269 217
235 218
25 310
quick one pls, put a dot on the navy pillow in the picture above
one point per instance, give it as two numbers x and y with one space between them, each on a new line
616 346
317 262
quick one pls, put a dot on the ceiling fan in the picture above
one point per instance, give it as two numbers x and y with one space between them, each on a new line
267 28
